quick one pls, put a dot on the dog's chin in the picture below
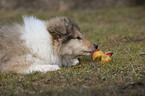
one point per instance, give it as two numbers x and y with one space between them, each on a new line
85 53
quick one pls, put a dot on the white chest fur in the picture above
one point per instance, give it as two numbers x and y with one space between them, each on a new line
38 40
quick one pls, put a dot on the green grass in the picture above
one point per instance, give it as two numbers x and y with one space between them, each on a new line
120 30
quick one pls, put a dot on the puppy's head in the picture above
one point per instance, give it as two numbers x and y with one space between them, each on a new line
67 33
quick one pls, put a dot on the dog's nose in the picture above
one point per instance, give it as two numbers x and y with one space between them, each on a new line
96 46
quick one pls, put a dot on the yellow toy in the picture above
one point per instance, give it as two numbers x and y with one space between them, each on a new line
100 56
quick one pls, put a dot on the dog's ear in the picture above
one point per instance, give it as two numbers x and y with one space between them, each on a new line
60 30
62 26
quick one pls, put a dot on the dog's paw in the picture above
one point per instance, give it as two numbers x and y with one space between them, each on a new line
75 62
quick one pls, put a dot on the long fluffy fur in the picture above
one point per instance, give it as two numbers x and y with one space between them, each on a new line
30 47
38 39
35 40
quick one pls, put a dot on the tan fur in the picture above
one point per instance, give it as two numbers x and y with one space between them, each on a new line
12 51
68 46
57 28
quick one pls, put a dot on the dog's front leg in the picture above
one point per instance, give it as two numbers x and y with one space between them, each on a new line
69 61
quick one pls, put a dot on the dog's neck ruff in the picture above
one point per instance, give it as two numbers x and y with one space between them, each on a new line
38 39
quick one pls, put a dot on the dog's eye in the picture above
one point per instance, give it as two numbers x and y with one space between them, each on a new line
79 38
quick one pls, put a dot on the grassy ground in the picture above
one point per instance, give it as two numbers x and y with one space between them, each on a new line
120 30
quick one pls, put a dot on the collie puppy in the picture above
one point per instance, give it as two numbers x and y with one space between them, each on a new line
38 45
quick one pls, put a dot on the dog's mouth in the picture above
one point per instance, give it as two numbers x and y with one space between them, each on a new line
87 53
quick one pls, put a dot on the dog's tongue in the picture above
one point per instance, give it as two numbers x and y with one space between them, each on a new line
94 52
